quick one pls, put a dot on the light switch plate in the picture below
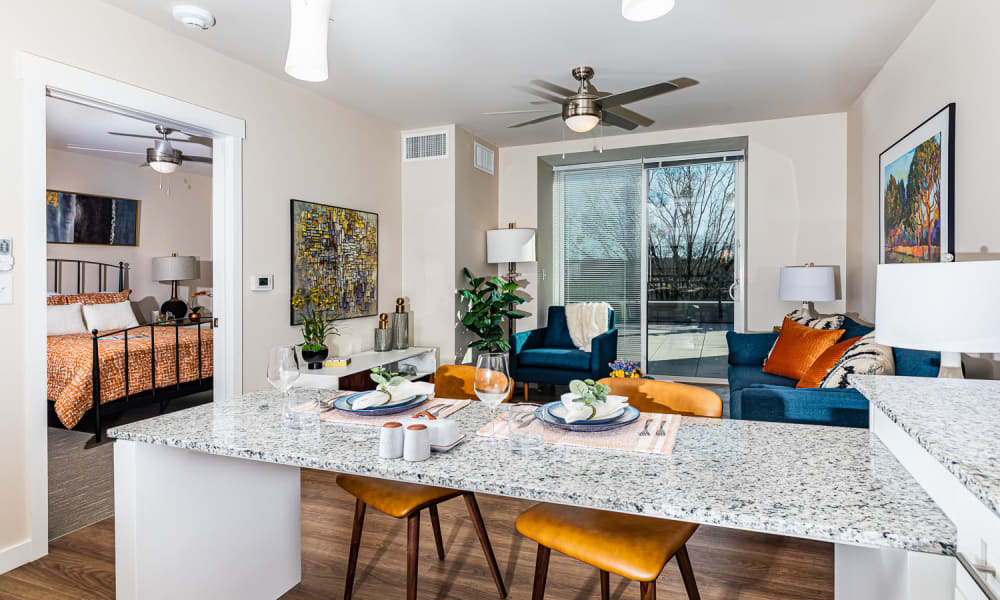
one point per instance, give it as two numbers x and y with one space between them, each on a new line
6 288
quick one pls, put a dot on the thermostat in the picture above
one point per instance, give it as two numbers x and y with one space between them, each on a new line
6 254
262 283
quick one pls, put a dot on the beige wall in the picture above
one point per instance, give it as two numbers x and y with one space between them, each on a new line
298 145
796 197
178 221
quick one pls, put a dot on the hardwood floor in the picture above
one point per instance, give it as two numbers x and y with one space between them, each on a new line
727 563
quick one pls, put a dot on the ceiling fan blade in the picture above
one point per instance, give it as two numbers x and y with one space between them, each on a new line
514 112
647 92
540 94
633 116
558 89
194 139
611 118
539 102
75 147
198 159
538 120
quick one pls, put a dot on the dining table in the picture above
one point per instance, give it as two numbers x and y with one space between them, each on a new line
207 499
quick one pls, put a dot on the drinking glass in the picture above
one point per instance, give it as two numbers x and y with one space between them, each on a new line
492 382
282 372
527 432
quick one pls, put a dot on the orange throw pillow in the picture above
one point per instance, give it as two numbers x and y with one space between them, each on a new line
826 361
797 348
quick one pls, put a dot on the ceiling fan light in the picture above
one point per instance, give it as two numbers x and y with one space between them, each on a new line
307 52
582 123
163 166
645 10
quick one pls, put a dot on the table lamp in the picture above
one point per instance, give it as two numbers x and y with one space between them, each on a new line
944 307
511 246
174 268
806 284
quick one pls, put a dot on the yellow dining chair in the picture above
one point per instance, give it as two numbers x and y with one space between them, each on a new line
633 546
406 500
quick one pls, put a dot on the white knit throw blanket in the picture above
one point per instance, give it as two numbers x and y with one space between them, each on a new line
587 320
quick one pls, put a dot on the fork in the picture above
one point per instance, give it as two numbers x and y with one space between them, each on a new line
645 428
660 430
440 408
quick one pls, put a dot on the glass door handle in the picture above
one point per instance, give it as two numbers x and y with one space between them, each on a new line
732 290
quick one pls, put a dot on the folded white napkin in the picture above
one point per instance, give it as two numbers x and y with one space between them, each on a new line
399 392
578 411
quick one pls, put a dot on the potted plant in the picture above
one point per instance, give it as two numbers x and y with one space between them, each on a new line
317 324
490 300
195 315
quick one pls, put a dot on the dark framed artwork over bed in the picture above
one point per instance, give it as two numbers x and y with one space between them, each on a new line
336 250
73 218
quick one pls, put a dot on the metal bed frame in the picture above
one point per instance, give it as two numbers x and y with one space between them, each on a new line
163 394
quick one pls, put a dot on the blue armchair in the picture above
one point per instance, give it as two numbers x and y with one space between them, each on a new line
548 355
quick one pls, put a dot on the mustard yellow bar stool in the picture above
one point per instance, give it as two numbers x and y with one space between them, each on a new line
633 546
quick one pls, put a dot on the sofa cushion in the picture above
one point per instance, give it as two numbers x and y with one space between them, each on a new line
821 367
842 408
830 322
854 329
916 363
866 357
747 349
555 358
744 376
797 348
557 331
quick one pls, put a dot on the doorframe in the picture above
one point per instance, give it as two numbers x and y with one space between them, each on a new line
38 74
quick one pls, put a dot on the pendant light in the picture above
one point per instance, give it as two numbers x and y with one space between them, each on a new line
307 40
646 10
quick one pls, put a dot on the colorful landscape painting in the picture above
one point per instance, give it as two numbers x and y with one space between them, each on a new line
336 250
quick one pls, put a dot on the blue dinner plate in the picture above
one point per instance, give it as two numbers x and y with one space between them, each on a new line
344 403
552 407
629 416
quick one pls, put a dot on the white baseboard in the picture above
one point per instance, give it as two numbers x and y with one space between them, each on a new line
14 556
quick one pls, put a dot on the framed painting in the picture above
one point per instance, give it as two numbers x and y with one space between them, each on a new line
336 250
72 218
917 193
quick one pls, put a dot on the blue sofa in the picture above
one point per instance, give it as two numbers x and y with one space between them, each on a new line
548 355
758 396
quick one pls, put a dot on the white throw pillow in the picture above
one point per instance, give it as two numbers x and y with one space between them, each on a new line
827 323
64 319
109 317
865 357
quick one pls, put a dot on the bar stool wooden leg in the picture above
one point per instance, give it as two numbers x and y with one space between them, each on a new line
687 573
525 391
412 554
647 590
484 540
541 571
436 525
605 586
352 562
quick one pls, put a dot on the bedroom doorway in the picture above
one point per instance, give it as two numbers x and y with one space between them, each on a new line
87 218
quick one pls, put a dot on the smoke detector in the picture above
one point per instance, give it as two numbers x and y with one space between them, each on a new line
194 17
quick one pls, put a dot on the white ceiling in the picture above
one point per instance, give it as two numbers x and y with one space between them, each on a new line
433 62
72 124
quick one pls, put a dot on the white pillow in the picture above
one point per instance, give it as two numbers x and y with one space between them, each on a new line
109 317
64 319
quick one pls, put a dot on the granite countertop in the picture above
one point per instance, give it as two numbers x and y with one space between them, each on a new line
826 483
956 420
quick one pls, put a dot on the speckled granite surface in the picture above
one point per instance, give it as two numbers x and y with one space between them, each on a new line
956 420
825 483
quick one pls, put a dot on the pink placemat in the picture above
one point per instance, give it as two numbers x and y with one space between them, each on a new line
333 415
624 438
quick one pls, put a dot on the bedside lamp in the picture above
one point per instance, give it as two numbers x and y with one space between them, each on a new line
174 268
944 307
807 284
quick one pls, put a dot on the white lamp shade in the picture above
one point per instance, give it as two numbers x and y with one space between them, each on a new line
807 284
175 268
582 123
645 10
307 39
510 245
162 166
946 307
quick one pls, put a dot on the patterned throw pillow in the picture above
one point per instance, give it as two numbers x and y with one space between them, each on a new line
831 322
89 299
863 358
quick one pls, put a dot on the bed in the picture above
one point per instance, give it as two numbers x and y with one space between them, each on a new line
133 366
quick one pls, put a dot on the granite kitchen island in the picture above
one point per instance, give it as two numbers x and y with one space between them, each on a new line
213 492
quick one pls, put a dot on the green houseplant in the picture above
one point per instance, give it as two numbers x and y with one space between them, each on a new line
490 300
317 323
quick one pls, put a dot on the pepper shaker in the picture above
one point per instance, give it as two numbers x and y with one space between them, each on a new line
391 440
416 443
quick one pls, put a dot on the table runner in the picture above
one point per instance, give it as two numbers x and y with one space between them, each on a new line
332 415
623 438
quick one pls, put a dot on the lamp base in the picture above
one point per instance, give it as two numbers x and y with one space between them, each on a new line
807 310
951 366
174 306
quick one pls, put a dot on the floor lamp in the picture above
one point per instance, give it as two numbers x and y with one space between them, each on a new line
512 245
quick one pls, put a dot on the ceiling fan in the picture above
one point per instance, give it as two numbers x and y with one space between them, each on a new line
162 157
583 109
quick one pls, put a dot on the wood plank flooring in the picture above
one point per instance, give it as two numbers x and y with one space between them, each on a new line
727 563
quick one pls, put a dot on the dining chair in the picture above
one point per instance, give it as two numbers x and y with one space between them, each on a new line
407 500
633 546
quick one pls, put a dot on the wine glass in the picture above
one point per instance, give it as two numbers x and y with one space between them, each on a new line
492 382
282 372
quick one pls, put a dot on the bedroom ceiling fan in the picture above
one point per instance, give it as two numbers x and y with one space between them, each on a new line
583 109
162 157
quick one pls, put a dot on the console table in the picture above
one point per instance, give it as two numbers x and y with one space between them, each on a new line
354 376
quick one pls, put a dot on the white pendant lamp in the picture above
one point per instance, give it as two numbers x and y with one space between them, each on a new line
307 40
582 123
646 10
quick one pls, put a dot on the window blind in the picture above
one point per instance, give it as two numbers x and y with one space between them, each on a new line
599 220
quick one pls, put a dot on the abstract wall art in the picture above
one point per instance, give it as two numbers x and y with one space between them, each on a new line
83 219
916 193
336 250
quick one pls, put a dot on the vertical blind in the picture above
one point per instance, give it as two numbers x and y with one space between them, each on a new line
599 221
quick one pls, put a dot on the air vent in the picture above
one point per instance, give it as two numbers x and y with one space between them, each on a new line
424 146
484 158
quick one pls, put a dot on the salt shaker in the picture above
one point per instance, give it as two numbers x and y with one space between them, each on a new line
416 443
391 440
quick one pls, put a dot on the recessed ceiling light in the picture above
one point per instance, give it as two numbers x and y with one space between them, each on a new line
646 10
194 17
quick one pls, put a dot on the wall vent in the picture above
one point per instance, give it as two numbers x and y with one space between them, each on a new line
425 146
484 158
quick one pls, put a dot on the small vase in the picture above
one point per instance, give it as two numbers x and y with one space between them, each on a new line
383 340
314 358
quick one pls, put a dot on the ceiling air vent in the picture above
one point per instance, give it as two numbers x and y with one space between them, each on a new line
424 146
484 158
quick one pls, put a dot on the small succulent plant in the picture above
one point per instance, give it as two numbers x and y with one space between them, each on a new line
589 392
386 379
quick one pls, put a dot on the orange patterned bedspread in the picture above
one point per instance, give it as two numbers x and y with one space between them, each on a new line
70 365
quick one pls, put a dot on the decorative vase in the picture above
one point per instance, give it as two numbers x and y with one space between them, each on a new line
400 327
314 358
383 335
